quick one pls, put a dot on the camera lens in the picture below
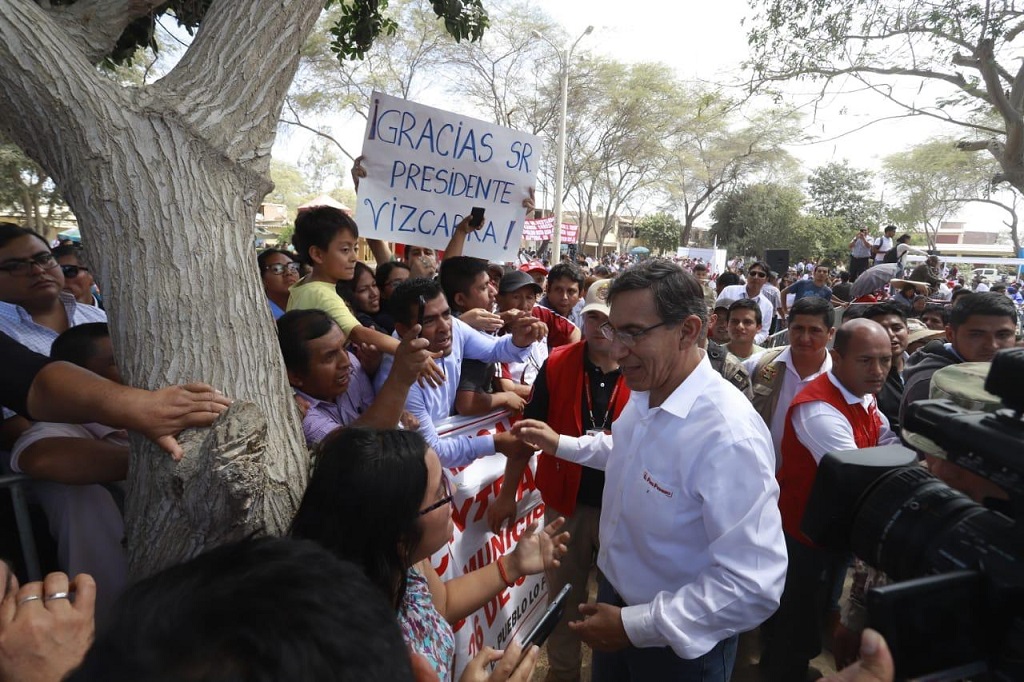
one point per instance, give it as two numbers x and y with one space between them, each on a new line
908 517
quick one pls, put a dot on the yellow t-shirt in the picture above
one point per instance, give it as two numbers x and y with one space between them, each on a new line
322 296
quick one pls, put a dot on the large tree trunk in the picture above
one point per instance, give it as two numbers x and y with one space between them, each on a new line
165 181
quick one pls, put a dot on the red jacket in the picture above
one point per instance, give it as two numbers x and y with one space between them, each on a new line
798 466
557 479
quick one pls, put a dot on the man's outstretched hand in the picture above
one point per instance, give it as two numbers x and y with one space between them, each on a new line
162 414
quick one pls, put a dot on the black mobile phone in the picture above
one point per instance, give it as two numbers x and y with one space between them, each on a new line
419 317
476 217
539 634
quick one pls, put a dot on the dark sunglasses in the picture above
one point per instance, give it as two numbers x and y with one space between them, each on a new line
71 271
757 273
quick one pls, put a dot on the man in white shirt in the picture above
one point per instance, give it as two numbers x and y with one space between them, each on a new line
691 549
778 374
836 412
882 244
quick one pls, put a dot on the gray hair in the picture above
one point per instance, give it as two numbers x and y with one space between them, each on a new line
677 293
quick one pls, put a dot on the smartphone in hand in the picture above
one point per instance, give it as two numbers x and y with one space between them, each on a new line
539 634
476 216
419 317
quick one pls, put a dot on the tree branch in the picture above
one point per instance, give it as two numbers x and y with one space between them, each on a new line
38 73
230 85
94 26
299 124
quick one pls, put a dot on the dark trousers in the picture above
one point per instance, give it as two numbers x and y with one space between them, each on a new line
792 637
633 664
857 266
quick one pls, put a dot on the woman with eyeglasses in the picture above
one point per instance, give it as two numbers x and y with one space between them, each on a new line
388 276
755 289
279 272
381 500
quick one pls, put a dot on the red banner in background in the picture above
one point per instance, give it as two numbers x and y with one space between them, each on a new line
473 545
539 230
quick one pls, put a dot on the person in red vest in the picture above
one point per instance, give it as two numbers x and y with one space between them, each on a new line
835 412
578 390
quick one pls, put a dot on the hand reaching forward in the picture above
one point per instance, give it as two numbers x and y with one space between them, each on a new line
536 434
537 551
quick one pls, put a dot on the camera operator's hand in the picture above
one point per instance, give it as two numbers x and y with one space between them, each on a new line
875 664
845 643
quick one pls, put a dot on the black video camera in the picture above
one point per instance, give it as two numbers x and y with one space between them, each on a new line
955 609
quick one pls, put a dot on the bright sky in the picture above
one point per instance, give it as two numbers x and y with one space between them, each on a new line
706 41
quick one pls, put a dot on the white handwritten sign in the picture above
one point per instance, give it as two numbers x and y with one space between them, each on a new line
515 609
427 168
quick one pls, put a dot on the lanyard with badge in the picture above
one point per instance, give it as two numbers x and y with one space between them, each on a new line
590 409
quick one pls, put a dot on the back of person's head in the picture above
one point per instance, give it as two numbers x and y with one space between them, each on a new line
813 305
883 309
265 254
77 345
404 302
844 276
260 610
69 250
727 279
9 232
677 293
459 274
958 292
317 227
295 329
903 239
361 472
983 303
700 267
567 271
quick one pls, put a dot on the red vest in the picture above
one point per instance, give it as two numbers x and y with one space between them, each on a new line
798 466
557 479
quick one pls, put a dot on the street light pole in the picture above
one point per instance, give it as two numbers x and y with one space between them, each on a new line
564 59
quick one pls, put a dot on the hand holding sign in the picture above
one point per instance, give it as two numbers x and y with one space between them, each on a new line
421 165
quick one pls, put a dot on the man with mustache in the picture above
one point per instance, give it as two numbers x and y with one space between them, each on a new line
835 412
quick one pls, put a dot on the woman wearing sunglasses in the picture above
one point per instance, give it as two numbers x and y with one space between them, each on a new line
381 500
279 273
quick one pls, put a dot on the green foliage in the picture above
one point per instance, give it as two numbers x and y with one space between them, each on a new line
763 216
359 23
718 148
27 192
932 180
837 190
291 187
659 232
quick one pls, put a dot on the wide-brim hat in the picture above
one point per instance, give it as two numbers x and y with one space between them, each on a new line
922 287
964 384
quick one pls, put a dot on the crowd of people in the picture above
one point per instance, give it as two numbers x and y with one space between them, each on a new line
679 414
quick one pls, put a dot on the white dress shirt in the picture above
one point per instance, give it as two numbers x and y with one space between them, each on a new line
691 536
822 429
791 385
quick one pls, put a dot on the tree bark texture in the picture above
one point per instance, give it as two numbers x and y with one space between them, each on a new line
165 181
